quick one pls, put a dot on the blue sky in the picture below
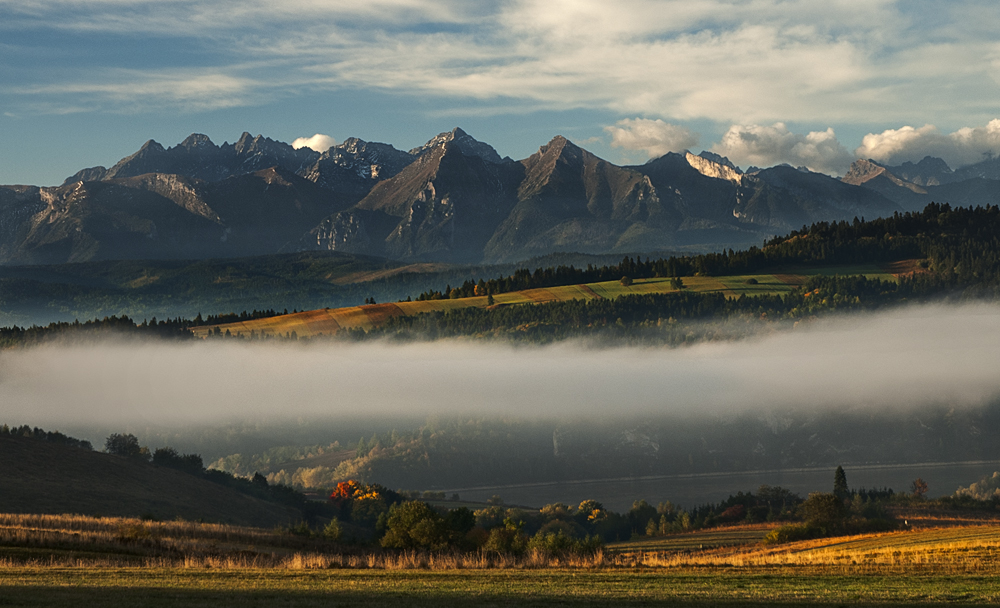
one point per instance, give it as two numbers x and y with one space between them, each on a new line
86 82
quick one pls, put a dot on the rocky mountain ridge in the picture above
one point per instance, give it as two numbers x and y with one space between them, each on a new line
913 185
454 199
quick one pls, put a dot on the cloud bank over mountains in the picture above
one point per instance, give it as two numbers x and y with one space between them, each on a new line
745 62
820 151
766 80
963 147
654 137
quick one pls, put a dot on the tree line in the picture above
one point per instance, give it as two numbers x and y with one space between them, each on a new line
953 239
959 249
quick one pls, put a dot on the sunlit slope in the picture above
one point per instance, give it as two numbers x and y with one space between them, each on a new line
329 321
955 549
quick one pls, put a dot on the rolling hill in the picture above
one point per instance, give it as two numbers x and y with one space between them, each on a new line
42 477
329 321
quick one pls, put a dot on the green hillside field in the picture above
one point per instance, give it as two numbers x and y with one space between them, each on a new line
329 321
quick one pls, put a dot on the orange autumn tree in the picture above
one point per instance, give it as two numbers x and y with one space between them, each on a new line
363 503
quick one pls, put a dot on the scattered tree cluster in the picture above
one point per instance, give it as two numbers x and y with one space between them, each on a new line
126 445
43 435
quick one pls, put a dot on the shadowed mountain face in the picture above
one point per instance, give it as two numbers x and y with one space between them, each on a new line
453 199
913 185
159 216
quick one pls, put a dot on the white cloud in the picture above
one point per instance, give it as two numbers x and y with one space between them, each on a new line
192 90
318 142
753 61
963 147
770 145
653 136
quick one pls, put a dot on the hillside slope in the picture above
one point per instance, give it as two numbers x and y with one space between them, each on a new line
41 477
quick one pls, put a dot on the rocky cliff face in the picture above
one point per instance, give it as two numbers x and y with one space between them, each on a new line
571 200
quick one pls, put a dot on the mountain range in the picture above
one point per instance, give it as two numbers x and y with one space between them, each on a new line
454 199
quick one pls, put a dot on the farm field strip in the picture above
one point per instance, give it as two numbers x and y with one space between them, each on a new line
155 587
329 321
954 550
924 539
743 535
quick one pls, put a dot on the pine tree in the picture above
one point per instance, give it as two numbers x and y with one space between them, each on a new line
840 489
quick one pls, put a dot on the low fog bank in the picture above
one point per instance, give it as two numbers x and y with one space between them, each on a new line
907 357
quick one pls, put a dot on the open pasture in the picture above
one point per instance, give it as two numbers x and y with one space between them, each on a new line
72 560
213 587
694 541
329 321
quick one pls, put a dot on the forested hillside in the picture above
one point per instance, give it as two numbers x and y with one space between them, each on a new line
939 252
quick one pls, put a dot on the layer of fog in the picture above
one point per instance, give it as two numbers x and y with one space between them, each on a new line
906 357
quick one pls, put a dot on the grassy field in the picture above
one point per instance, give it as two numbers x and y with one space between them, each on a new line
69 561
703 539
952 550
329 321
157 587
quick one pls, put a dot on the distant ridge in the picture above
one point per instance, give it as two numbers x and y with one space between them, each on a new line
453 199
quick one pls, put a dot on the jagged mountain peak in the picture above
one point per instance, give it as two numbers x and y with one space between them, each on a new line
150 145
197 141
90 174
861 171
929 171
248 144
560 146
470 146
932 162
244 141
880 178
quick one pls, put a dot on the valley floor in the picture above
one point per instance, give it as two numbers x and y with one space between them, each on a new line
71 561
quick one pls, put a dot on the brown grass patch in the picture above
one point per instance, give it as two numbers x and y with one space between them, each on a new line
590 292
380 313
791 279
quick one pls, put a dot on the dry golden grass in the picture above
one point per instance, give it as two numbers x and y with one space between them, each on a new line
974 549
80 541
77 541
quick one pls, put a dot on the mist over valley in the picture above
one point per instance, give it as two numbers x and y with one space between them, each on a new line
907 385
